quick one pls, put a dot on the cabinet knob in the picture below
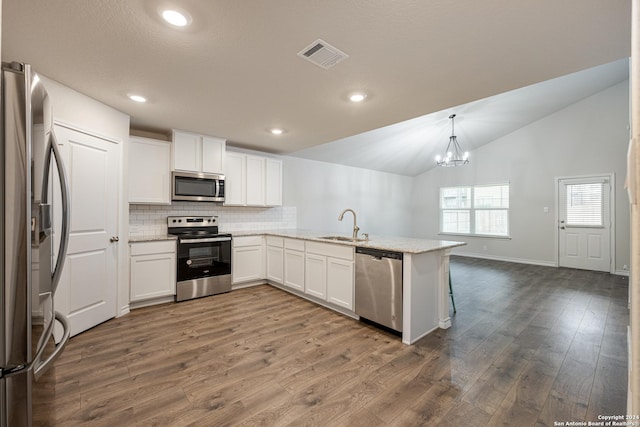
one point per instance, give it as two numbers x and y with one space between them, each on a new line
114 239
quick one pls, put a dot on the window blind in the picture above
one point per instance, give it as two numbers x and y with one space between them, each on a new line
584 204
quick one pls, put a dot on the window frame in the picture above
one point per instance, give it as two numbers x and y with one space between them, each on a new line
472 212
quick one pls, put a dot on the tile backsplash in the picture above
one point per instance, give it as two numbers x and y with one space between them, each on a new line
151 220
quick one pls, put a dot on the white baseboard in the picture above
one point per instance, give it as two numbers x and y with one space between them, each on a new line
522 261
153 301
124 310
315 300
248 284
506 259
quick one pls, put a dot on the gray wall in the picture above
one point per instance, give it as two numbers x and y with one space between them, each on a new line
585 138
320 191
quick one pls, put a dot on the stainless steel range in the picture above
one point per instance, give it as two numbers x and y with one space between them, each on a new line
204 256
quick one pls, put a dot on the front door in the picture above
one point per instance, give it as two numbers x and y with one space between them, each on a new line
584 223
87 293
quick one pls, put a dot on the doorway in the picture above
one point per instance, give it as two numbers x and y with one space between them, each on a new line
585 222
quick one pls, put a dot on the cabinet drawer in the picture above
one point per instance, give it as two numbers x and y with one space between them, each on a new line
239 242
327 249
275 241
295 244
148 248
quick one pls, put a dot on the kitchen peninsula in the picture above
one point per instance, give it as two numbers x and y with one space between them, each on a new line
310 254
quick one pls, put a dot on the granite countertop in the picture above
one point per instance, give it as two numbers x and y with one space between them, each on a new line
151 238
397 244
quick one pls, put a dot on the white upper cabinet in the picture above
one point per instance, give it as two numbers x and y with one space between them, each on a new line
149 171
273 184
256 181
252 180
213 151
198 153
235 171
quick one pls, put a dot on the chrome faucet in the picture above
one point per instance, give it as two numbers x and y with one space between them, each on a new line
355 227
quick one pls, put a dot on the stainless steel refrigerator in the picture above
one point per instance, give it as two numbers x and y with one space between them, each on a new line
30 265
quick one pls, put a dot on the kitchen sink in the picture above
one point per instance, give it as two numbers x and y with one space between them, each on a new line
341 239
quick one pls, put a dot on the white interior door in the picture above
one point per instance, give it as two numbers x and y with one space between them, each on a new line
87 292
584 229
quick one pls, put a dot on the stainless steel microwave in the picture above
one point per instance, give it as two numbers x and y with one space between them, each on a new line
197 187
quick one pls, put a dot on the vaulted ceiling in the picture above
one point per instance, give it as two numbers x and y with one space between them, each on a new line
235 73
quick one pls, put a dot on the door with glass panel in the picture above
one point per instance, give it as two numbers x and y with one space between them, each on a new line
584 223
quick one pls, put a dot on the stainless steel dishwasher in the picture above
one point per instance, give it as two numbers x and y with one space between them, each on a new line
379 287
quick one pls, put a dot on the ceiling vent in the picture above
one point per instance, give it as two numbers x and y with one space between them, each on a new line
322 54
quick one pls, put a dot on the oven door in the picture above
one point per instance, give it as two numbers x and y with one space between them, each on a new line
203 257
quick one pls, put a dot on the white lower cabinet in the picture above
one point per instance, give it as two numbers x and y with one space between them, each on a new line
340 282
294 264
275 259
247 259
152 270
322 270
315 275
329 273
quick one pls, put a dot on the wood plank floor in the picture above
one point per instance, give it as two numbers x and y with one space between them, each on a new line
529 346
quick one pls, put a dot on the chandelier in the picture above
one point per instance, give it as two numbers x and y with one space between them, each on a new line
453 155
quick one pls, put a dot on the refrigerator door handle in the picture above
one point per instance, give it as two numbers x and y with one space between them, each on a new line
64 233
42 367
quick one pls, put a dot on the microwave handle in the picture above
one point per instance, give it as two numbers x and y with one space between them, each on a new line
217 188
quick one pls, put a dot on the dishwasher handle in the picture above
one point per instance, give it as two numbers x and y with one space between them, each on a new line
379 253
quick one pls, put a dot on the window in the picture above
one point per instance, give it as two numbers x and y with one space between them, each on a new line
478 210
584 205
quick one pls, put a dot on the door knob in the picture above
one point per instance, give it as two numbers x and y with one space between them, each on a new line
114 239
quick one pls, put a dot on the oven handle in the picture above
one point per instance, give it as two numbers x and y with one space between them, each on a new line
206 240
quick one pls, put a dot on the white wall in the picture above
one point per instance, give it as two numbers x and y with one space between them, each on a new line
588 137
85 113
320 191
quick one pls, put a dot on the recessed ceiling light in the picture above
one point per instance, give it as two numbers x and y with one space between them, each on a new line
277 131
176 18
137 98
357 97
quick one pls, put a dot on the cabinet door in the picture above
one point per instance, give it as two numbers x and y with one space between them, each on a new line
213 154
187 149
255 181
340 282
234 185
153 276
315 275
273 185
149 171
294 269
247 264
275 264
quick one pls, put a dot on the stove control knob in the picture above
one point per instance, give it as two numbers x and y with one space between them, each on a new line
174 220
188 262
